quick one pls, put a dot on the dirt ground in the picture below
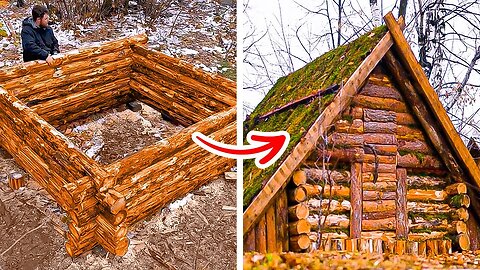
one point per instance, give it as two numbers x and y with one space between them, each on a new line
195 232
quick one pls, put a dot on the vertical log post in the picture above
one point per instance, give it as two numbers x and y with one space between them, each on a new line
261 236
401 227
356 201
271 229
282 222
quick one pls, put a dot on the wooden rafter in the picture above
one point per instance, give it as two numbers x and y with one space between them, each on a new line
428 93
279 179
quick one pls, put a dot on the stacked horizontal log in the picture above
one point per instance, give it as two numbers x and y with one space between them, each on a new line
102 202
77 85
299 226
151 188
178 89
82 210
33 81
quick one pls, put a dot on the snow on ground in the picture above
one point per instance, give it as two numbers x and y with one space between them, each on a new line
200 32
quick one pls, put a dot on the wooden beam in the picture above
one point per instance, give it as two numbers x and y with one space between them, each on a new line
343 98
423 114
356 201
150 155
431 97
401 227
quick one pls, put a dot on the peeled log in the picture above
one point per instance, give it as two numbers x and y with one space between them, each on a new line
345 139
372 115
379 168
409 133
386 224
345 126
379 103
187 69
380 138
457 188
454 227
337 154
431 208
426 195
299 227
382 149
381 177
371 158
299 178
322 206
423 182
328 191
297 212
412 160
297 195
378 215
380 186
380 91
158 151
70 57
331 222
371 195
317 175
378 206
461 200
414 146
220 96
380 127
299 243
462 242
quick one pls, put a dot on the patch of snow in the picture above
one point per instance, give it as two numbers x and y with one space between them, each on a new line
98 144
180 203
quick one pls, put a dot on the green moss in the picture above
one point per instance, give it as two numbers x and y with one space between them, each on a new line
347 117
228 70
424 230
333 67
430 216
420 156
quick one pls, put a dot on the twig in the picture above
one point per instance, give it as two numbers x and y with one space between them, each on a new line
21 237
175 21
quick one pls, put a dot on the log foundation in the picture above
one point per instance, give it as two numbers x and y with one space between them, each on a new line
103 201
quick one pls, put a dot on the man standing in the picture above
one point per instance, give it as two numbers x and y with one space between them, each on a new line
38 40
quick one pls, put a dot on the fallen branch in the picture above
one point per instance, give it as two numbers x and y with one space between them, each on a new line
21 237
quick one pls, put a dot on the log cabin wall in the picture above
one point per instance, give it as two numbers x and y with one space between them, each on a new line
102 201
178 89
383 178
80 83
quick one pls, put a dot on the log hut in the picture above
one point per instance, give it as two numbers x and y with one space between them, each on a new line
102 201
374 163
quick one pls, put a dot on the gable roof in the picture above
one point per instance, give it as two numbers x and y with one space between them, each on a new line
333 67
307 123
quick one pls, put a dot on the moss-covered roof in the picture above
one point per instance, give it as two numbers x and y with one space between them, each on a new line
333 67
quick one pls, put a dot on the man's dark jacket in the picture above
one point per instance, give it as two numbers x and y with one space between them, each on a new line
37 42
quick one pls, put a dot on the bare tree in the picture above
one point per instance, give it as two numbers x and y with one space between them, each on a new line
376 13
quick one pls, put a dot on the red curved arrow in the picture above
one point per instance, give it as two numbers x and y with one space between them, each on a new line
265 147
